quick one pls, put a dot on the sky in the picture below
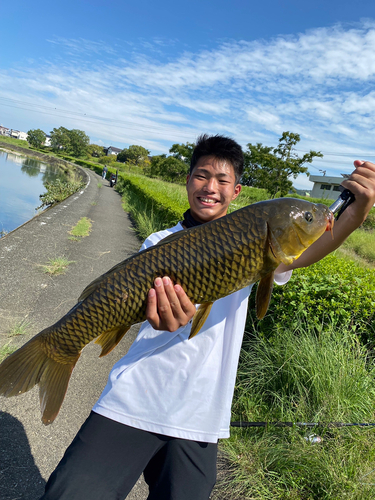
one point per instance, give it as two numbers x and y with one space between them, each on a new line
159 73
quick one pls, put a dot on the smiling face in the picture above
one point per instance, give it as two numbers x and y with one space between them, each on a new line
211 187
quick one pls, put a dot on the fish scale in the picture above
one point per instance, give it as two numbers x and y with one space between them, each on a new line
209 262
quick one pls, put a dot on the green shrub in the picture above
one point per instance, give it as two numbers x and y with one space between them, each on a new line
170 203
332 288
58 190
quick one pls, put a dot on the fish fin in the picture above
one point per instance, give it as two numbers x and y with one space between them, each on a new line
199 318
108 340
52 389
263 295
29 366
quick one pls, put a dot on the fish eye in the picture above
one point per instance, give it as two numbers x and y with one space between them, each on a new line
309 216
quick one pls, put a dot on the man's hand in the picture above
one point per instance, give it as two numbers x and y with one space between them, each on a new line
362 184
168 306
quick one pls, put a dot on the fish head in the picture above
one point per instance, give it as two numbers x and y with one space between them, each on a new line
294 225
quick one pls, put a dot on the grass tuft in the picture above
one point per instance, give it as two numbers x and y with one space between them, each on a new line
5 351
19 328
81 229
57 266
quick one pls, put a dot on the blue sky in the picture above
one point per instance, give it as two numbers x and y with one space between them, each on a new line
157 73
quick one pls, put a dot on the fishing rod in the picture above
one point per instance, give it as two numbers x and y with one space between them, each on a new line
302 424
343 201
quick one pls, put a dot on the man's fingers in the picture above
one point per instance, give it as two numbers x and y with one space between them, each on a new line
187 306
152 309
168 306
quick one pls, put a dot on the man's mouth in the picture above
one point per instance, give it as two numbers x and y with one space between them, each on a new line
207 200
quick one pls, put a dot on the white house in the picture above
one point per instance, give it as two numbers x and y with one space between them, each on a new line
112 150
326 186
4 130
16 134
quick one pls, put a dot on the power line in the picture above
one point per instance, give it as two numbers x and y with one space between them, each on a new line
94 119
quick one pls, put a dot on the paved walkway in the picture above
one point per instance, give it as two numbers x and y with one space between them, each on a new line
29 451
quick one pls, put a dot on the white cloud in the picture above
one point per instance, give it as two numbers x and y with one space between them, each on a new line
318 84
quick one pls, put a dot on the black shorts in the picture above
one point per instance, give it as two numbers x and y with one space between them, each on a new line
106 459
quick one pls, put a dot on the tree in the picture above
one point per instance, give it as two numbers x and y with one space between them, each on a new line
78 142
60 139
271 168
73 141
183 152
133 154
36 137
169 169
95 150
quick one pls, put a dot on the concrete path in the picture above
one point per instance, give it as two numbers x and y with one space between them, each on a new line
29 451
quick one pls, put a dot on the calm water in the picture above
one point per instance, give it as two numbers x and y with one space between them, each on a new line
21 182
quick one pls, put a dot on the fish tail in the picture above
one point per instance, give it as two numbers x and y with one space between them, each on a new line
29 366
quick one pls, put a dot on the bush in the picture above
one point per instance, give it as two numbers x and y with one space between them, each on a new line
57 191
332 288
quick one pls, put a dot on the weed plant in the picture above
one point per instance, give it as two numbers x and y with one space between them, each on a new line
19 328
56 266
5 351
81 229
305 374
58 191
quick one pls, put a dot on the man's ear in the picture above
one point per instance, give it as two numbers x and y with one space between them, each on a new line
237 190
187 179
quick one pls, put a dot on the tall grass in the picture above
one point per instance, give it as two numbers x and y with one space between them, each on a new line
362 242
302 375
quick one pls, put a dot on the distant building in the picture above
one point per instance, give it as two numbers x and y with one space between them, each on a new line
112 151
326 186
16 134
47 142
4 130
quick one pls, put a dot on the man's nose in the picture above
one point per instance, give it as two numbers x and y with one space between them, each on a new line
210 185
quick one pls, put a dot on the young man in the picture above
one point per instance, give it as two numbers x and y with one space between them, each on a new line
168 401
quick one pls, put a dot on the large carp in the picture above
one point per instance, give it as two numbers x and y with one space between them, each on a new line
209 262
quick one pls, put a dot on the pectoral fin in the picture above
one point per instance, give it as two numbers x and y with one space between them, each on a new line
263 295
200 317
108 340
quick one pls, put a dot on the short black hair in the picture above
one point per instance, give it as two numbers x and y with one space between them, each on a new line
222 148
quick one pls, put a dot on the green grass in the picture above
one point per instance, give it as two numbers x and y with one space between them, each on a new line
100 184
302 375
5 351
362 242
19 328
15 142
81 229
56 266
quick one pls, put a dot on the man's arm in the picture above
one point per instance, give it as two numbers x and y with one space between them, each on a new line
362 184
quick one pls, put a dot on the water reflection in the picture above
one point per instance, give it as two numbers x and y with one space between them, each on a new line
22 180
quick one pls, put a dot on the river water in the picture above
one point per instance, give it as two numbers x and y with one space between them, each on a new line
22 180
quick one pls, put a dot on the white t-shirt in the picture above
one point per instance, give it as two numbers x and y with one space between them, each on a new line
178 387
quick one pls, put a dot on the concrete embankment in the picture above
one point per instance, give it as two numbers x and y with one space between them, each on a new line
29 451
